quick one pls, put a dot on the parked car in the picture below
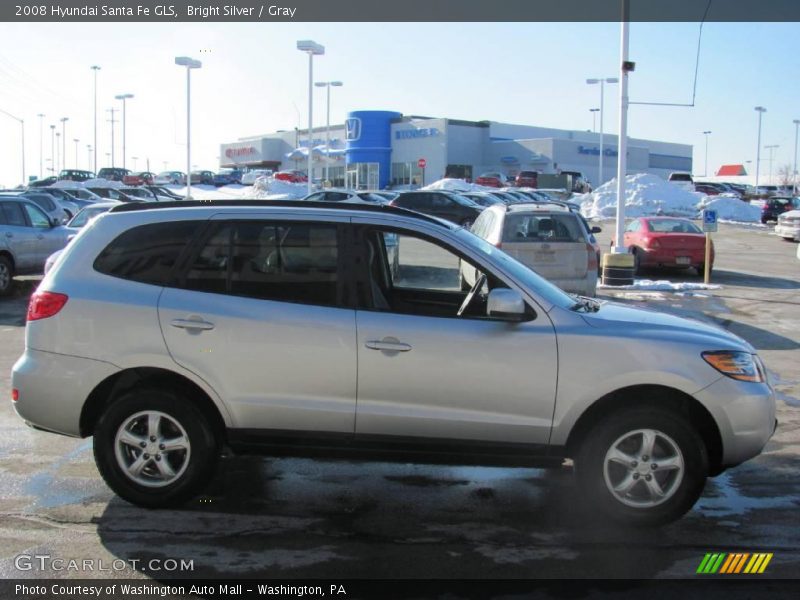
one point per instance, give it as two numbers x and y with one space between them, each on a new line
339 195
445 205
708 190
50 205
112 173
774 207
27 237
483 199
75 175
202 177
163 193
527 179
43 182
82 194
139 178
114 194
491 179
139 192
788 226
292 176
227 177
170 177
75 224
547 238
669 242
65 199
180 361
250 177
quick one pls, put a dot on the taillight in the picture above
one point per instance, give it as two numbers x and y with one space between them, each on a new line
591 263
14 395
45 304
651 243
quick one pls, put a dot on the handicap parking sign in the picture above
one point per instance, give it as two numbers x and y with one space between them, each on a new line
709 220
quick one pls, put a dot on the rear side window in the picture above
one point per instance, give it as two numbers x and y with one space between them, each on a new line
11 214
147 253
542 228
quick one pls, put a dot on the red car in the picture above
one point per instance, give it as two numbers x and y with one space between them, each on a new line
139 178
494 179
706 189
666 242
527 179
291 176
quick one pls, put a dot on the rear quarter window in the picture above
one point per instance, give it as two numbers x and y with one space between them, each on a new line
563 227
147 253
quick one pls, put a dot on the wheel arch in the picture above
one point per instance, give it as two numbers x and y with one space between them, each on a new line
656 396
7 254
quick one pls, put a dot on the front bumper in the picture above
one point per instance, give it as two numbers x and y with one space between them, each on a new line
54 387
745 415
790 231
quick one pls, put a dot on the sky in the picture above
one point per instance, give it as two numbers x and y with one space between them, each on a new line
254 81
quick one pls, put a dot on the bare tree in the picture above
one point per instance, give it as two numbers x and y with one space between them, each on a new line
785 175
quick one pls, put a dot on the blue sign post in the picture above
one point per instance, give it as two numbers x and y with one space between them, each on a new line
709 226
709 221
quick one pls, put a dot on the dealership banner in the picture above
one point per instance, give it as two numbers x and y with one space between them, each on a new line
404 11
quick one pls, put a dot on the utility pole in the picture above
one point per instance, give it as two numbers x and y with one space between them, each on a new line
53 148
112 120
64 142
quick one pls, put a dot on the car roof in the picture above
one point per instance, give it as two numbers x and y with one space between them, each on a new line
536 207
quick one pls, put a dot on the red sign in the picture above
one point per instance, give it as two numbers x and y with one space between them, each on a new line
421 163
232 152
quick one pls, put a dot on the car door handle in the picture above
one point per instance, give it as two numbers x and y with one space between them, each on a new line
389 344
192 324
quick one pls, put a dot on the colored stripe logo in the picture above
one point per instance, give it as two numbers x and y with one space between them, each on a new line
734 563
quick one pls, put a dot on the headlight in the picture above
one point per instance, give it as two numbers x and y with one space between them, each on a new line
736 365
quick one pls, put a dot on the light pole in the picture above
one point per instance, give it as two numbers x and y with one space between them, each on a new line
794 168
22 124
760 110
123 97
53 148
112 120
189 63
58 165
312 49
64 142
89 155
705 169
328 84
771 148
602 83
41 144
76 140
95 68
594 112
134 158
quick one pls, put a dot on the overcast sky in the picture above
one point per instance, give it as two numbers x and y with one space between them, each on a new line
254 81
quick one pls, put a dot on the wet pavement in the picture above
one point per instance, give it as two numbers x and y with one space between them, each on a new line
291 518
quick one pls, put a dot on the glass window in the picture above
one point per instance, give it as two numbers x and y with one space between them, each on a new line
46 202
208 271
316 197
673 226
13 214
633 226
146 253
37 217
336 196
548 227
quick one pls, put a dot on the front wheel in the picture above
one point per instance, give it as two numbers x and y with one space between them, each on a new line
155 448
644 466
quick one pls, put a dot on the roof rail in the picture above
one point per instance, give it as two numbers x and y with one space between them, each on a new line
375 208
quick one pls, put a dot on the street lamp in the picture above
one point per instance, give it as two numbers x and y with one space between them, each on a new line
95 68
602 83
123 97
89 155
64 142
594 112
41 138
760 110
76 140
58 163
705 169
794 169
328 84
134 158
311 48
112 120
771 148
22 124
53 148
189 63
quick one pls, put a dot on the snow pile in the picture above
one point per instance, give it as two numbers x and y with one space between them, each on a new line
662 285
66 184
730 208
645 195
267 188
98 183
457 185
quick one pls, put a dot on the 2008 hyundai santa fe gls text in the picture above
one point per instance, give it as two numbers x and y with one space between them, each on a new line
168 331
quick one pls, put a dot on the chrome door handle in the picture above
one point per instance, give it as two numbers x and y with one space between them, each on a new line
192 324
388 344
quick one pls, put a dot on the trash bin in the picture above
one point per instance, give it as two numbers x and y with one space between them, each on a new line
618 269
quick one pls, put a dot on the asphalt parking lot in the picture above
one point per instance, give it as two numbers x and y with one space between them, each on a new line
292 518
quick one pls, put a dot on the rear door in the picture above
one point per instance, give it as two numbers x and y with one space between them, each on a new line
43 233
17 235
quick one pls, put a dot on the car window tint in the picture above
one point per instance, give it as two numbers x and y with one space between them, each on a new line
36 216
673 226
542 228
146 253
208 272
12 211
336 196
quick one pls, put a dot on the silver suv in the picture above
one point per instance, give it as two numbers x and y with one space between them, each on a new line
168 331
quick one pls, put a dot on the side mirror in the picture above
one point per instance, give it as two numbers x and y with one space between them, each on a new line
55 222
596 229
506 304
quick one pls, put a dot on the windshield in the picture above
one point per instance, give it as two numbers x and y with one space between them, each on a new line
673 226
85 215
519 272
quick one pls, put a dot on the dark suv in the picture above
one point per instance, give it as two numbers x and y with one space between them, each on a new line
527 179
445 205
75 175
774 207
112 173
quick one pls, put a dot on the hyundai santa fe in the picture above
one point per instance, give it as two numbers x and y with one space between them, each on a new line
169 331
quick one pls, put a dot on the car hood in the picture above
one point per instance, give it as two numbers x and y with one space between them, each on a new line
641 322
791 214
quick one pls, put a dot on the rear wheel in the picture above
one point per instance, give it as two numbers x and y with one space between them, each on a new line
701 270
637 261
155 448
643 466
6 276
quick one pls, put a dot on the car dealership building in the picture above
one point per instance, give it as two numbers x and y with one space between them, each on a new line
379 149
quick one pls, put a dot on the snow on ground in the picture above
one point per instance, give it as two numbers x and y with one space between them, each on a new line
66 184
661 285
457 185
645 195
731 209
267 188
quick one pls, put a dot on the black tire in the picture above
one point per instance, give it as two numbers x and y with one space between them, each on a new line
200 460
682 493
701 270
6 276
637 261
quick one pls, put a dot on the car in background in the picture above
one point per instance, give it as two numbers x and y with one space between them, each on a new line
75 175
774 207
27 237
527 179
482 198
43 182
170 178
51 205
708 190
202 177
342 195
75 224
788 226
682 179
114 194
291 176
227 177
163 194
62 195
139 192
81 194
387 195
491 179
666 242
548 238
250 177
139 178
112 173
438 203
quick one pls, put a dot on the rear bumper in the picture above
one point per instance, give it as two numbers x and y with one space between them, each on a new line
668 257
54 387
788 231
